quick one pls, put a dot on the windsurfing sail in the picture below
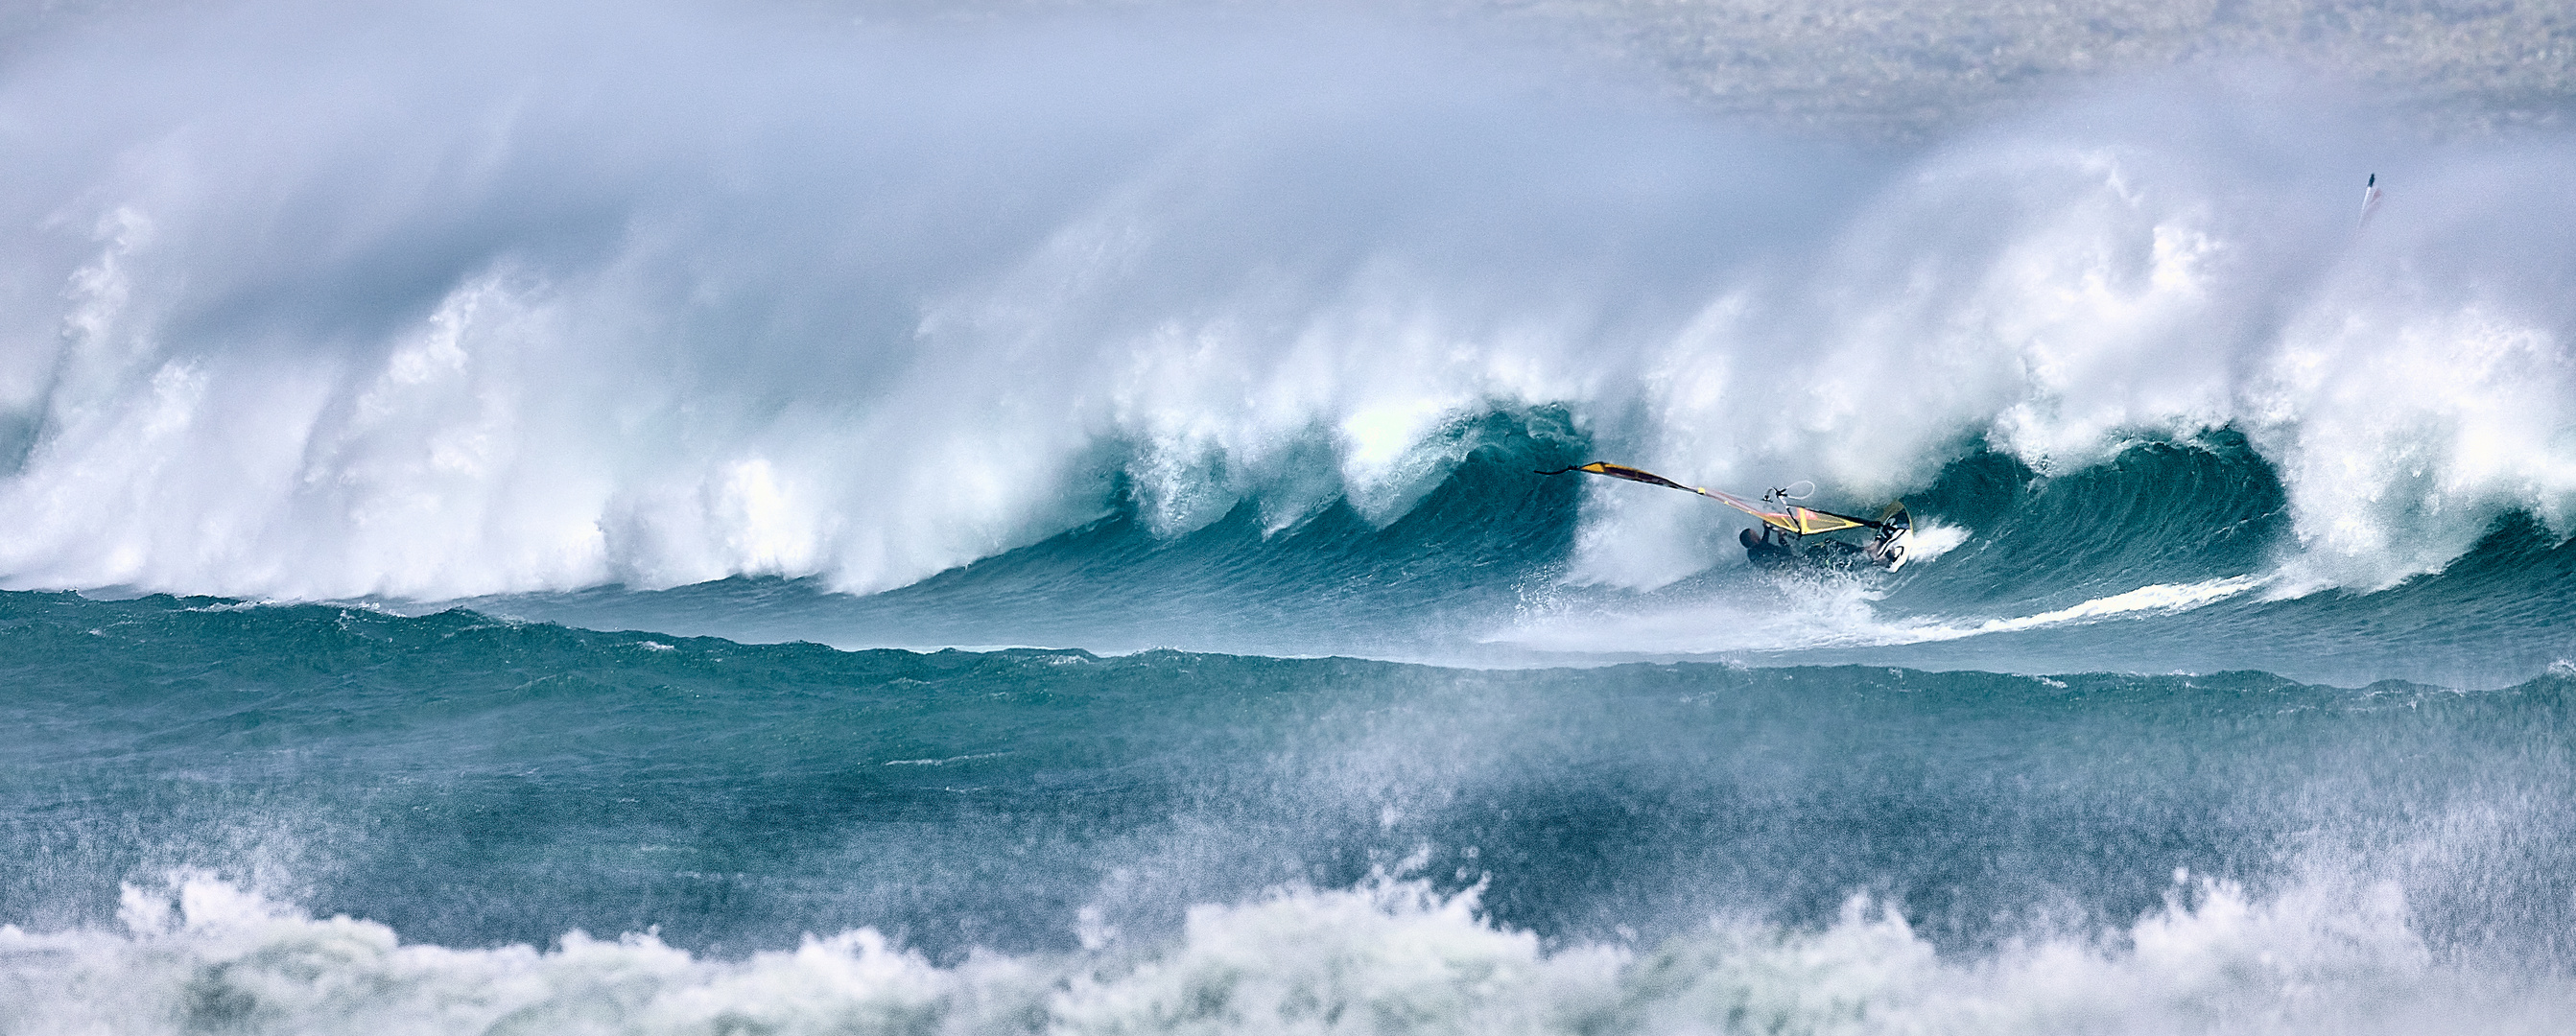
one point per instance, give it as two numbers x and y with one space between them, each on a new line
2369 201
1800 520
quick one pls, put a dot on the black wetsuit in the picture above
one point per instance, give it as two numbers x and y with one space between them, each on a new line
1765 551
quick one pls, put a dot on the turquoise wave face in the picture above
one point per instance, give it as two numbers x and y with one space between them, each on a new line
469 782
2164 558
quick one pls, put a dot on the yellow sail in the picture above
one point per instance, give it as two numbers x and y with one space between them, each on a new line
1775 519
1812 520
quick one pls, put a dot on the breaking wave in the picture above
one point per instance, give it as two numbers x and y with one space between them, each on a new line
536 301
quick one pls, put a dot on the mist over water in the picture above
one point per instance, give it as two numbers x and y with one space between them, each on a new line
1243 329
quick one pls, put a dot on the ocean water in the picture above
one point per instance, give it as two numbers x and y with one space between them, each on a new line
1024 518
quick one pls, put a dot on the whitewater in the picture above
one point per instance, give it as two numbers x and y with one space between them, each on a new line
997 517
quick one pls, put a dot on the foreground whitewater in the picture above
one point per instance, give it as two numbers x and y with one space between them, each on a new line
1388 957
1066 481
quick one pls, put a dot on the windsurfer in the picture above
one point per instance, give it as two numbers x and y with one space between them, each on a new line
1784 526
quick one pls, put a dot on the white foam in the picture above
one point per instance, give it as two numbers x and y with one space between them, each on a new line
1389 956
1933 539
1801 614
2161 598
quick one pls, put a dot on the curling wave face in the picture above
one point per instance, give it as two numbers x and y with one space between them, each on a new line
2161 559
538 303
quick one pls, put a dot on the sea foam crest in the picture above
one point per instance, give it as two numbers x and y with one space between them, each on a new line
1387 957
463 299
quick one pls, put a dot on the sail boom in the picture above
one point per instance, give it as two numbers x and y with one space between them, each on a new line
1800 520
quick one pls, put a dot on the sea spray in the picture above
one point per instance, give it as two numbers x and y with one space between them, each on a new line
740 795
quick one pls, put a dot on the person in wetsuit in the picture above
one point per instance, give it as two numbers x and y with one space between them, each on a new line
1764 550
